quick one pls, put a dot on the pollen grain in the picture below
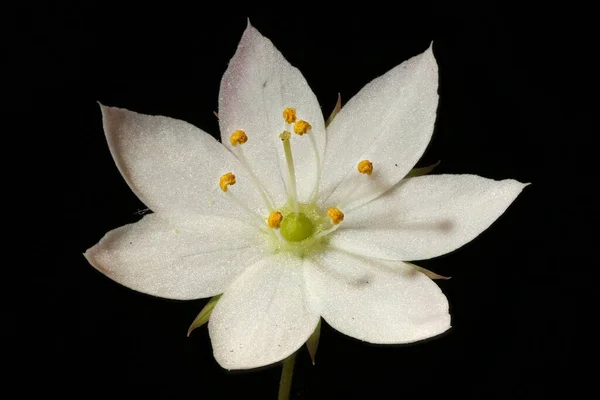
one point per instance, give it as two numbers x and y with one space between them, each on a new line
365 167
301 127
226 180
335 214
275 219
289 115
238 137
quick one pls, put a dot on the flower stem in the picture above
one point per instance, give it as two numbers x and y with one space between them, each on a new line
285 383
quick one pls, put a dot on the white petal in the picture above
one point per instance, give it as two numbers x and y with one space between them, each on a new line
178 258
375 300
389 122
264 316
257 86
425 217
173 166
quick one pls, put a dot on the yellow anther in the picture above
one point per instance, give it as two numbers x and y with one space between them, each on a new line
285 135
365 167
301 127
238 137
226 180
275 219
289 114
335 214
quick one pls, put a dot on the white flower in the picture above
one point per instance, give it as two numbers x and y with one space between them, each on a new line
340 250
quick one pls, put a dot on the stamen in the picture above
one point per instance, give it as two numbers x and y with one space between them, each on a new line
301 127
226 180
238 137
275 219
335 214
287 148
289 115
365 167
254 178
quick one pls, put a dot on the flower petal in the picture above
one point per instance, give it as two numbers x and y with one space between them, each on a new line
264 316
377 301
178 258
425 217
173 166
257 86
389 122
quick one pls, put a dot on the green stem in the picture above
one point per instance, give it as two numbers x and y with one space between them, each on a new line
285 383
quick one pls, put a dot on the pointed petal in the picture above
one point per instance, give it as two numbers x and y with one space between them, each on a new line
426 217
173 166
377 301
257 86
389 122
265 316
178 259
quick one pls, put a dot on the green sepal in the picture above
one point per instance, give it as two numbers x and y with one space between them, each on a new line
336 109
421 171
313 342
428 273
204 315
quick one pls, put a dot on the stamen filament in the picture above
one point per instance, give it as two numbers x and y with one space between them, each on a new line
313 142
245 207
365 168
326 231
277 234
254 179
348 194
292 191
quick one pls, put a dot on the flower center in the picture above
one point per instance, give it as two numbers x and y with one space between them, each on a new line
295 227
298 232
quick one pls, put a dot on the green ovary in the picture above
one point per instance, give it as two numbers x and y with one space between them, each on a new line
296 227
300 229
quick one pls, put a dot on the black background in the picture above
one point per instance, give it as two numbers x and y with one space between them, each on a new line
515 102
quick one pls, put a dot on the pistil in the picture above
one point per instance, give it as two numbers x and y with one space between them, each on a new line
287 148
